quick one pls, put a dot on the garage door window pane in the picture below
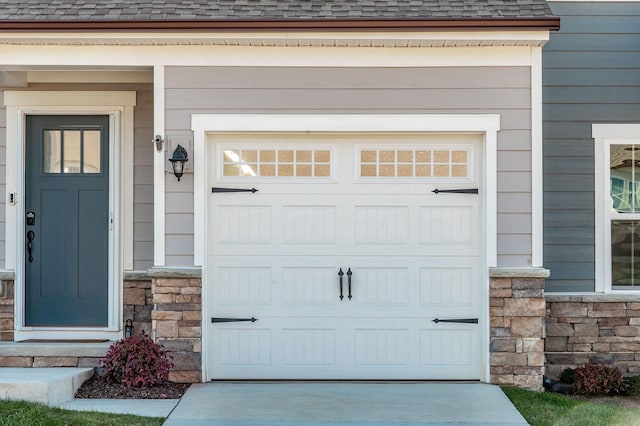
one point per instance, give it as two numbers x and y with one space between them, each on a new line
273 163
409 163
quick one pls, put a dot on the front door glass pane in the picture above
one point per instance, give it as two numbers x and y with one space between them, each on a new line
71 151
91 155
51 151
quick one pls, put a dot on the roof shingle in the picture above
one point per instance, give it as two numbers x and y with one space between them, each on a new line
267 10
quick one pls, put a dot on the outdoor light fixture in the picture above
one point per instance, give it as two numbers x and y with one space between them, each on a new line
128 328
178 161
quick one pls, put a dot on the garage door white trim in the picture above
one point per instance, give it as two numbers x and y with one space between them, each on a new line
485 124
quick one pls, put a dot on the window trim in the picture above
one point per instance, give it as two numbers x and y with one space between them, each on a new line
604 136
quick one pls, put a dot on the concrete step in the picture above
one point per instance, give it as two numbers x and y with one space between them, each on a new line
47 386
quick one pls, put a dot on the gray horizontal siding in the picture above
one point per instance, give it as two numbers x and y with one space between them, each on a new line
438 90
591 74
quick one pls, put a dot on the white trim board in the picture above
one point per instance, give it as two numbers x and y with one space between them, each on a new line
537 191
119 107
26 57
158 168
284 38
485 124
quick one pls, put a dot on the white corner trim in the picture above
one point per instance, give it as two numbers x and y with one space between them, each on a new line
158 168
537 193
118 105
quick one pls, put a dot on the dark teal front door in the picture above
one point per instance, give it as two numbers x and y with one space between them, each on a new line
66 221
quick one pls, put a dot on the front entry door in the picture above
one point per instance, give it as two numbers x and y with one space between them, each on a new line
66 221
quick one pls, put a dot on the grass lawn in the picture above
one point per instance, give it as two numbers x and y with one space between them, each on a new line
547 409
24 413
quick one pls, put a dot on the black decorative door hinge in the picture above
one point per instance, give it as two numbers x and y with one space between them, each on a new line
455 191
214 190
215 320
458 320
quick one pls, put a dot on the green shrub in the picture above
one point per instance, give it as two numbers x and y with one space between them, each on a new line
633 385
598 379
567 376
136 361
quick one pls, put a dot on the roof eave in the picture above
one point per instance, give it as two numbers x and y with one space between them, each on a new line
468 24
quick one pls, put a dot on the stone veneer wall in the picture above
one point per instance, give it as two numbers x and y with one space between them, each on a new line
6 310
517 309
603 329
177 320
138 302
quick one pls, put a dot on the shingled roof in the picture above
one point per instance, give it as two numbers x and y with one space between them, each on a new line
72 12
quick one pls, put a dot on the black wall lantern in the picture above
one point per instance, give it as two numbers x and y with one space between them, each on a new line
178 161
128 328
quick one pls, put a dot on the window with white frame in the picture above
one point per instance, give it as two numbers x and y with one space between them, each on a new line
617 155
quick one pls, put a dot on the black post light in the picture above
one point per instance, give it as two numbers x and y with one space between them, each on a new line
178 160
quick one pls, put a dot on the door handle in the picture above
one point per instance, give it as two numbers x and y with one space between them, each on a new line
349 273
30 236
340 275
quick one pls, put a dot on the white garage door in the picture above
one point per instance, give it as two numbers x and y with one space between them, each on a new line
345 257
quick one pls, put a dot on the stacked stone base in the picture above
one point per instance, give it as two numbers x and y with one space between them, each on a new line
603 329
517 309
6 310
49 361
163 303
177 321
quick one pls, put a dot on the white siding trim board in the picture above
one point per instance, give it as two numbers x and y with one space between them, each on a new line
537 207
289 39
159 167
27 57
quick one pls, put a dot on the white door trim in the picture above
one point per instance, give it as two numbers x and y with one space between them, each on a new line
119 107
485 124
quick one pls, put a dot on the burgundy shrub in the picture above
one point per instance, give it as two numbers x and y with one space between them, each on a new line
136 361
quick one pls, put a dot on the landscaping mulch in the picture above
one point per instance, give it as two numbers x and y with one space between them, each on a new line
95 389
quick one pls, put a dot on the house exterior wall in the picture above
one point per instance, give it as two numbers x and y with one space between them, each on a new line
437 90
143 166
590 75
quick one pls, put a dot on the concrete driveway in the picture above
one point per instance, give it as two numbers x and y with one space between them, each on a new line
338 404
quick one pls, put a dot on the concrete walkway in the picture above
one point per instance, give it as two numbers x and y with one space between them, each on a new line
341 404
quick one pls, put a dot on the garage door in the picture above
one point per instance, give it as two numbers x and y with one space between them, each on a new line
350 264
